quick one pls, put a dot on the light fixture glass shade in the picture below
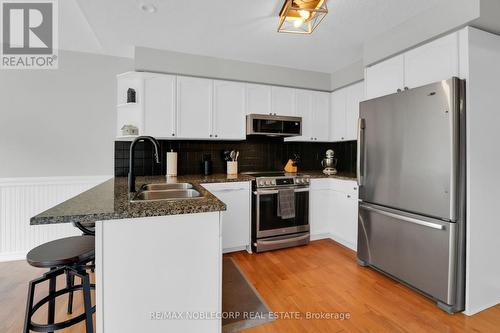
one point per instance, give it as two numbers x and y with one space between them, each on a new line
301 16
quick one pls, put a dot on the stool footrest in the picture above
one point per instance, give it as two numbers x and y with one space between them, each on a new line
85 285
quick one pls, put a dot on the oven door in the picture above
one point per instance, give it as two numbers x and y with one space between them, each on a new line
267 221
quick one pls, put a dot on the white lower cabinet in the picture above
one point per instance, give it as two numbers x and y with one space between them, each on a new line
334 210
320 218
236 220
344 219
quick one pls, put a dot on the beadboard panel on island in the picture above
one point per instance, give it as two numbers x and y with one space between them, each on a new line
22 198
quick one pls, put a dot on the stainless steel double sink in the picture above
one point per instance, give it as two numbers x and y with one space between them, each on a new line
164 191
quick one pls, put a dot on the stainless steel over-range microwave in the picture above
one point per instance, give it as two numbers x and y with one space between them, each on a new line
273 125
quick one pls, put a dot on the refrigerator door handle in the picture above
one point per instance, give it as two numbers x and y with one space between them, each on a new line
403 218
361 151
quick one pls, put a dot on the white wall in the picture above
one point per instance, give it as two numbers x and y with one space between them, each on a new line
60 122
348 75
153 60
490 16
483 197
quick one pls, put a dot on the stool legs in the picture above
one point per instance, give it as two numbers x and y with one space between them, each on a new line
87 302
51 326
29 306
52 303
70 282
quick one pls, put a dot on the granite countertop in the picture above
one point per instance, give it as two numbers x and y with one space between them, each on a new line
110 201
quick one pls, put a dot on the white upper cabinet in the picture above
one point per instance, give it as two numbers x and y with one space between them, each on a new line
194 107
314 108
320 116
159 106
304 105
282 101
385 78
229 110
432 62
258 99
337 115
345 112
355 94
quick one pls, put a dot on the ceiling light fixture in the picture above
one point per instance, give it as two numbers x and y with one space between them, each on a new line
148 8
301 16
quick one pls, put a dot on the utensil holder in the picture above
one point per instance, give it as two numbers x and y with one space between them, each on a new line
232 167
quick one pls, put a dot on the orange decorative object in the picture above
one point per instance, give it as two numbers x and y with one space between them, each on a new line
291 167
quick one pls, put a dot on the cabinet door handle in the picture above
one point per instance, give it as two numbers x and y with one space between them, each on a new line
399 90
406 88
173 134
216 135
360 151
210 135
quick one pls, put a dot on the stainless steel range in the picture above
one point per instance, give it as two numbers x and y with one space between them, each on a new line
272 227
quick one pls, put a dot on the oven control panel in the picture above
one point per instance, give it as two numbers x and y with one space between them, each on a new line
282 181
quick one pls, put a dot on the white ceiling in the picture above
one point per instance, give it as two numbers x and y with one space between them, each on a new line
246 29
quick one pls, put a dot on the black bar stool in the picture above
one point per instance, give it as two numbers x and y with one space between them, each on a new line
69 256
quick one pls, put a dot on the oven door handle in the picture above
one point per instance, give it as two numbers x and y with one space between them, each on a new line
264 192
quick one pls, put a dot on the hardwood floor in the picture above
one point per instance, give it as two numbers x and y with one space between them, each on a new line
324 276
320 277
14 278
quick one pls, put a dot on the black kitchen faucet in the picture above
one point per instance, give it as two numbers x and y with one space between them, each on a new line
131 174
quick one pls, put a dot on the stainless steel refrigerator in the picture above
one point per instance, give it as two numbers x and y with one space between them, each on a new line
411 174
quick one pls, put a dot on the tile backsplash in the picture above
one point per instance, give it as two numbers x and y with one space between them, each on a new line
256 154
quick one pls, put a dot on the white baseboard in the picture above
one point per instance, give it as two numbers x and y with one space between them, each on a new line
13 256
477 309
235 249
337 239
320 236
342 241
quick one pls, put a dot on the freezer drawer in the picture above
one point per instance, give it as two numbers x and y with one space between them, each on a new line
416 250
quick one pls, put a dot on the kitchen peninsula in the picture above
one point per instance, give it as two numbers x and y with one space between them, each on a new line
152 257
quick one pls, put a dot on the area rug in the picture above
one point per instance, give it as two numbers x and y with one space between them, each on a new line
242 306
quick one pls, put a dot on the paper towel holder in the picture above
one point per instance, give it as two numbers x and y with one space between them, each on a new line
171 163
